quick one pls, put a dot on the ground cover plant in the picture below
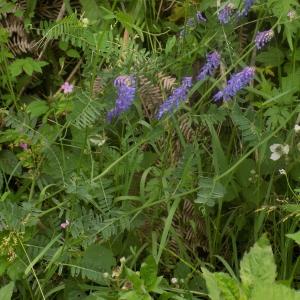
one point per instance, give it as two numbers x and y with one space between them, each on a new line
149 149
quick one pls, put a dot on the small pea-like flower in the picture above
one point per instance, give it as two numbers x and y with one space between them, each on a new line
174 280
212 63
126 92
64 225
282 172
247 6
236 82
24 146
67 88
262 38
179 95
279 150
225 13
297 128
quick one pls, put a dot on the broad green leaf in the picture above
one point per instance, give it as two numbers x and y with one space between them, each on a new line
273 57
229 287
99 258
6 291
9 163
37 108
135 279
294 236
273 292
149 272
258 266
91 9
213 290
16 68
73 53
28 68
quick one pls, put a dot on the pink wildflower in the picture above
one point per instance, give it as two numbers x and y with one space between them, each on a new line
24 146
67 87
65 224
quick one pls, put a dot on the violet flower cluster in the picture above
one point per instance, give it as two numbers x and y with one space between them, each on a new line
225 13
192 22
198 18
247 6
237 82
179 95
126 87
262 38
212 63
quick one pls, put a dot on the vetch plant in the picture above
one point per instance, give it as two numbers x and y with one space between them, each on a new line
212 63
126 92
225 13
179 95
262 38
237 82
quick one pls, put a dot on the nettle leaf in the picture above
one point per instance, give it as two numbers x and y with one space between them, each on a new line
294 236
273 57
213 290
273 292
229 287
258 265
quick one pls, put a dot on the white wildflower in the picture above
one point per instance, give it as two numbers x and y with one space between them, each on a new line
122 260
85 22
278 150
297 128
174 280
282 172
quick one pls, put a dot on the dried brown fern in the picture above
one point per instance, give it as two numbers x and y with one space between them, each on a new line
190 229
19 40
97 86
243 38
189 132
166 82
150 95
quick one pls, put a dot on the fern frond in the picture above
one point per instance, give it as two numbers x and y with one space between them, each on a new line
250 132
86 111
69 29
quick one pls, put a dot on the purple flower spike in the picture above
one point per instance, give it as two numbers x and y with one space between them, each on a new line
179 95
262 38
247 6
200 17
212 63
237 82
126 93
225 13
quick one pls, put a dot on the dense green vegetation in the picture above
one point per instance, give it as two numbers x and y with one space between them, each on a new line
149 149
